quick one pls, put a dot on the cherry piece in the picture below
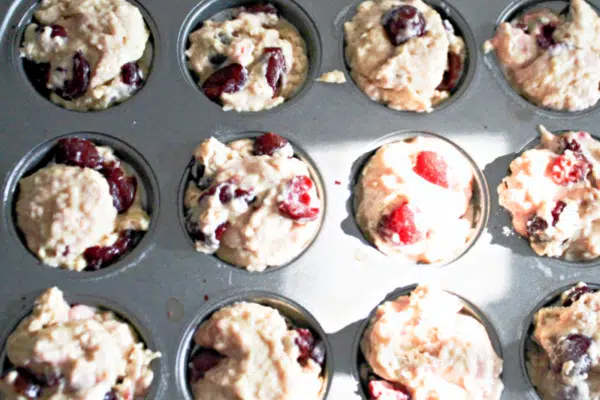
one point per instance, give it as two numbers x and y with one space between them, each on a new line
432 167
575 294
403 23
217 59
229 79
225 194
266 8
247 195
194 230
573 348
27 385
276 68
297 204
122 187
268 144
221 229
76 87
98 257
452 74
401 223
544 38
131 75
571 167
536 226
305 342
558 209
203 361
38 74
571 144
58 31
318 353
384 390
77 152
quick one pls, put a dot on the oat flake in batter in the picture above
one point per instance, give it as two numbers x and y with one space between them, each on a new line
552 59
414 199
402 54
563 360
251 202
553 196
87 54
252 62
75 352
248 352
423 347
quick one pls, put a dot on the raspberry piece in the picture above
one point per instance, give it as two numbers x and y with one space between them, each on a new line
570 167
399 226
544 38
536 226
432 167
296 206
221 229
310 347
384 390
268 144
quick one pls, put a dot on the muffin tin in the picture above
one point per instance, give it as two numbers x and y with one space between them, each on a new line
166 288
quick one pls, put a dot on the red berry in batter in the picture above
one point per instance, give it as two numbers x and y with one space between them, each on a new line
432 167
297 204
399 225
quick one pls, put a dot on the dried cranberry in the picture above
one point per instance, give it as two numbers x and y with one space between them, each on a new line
225 194
76 87
221 229
536 226
77 152
122 187
217 59
131 75
573 348
544 38
229 79
384 390
276 68
452 74
38 74
202 362
571 167
400 223
98 257
111 396
575 294
558 209
297 204
266 8
268 144
432 167
58 31
403 23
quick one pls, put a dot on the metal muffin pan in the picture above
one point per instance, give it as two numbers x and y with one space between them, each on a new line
339 279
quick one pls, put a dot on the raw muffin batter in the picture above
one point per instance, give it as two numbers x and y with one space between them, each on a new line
248 352
81 211
414 199
252 62
251 202
424 347
75 352
402 54
87 54
564 360
335 76
552 59
553 196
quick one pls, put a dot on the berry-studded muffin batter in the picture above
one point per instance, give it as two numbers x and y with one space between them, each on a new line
252 62
563 361
414 199
423 346
251 202
402 54
87 54
249 352
552 59
83 211
73 353
553 196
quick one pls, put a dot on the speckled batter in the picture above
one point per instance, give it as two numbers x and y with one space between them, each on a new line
563 362
553 196
426 344
242 40
443 216
75 352
261 357
108 33
552 60
407 76
335 76
258 234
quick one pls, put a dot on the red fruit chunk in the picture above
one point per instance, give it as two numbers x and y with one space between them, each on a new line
575 294
571 144
221 229
384 390
318 353
536 226
76 87
403 23
268 144
573 348
77 152
544 38
122 187
432 167
261 8
38 74
296 205
247 195
225 193
130 74
27 385
202 362
571 167
276 68
305 342
400 222
58 31
99 257
452 74
558 209
229 79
